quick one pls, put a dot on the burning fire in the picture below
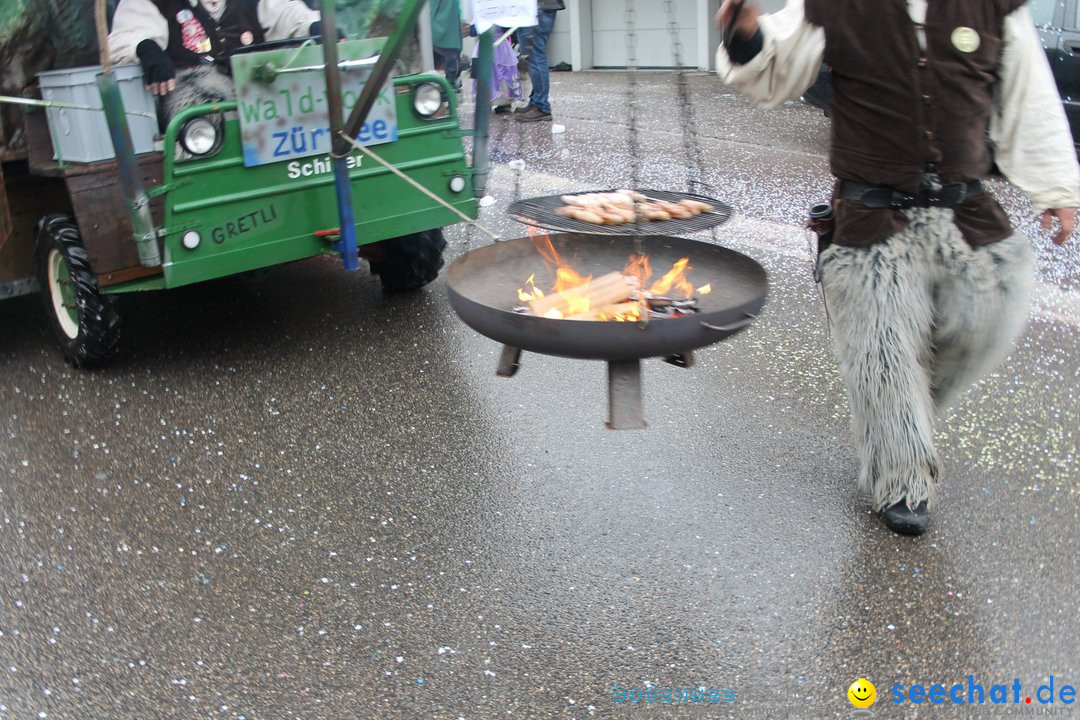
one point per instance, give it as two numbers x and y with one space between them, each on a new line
618 296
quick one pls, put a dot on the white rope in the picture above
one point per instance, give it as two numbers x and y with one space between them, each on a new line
420 187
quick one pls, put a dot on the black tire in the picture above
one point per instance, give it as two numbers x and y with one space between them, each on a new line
83 320
408 262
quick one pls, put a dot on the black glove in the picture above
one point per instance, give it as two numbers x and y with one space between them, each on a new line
316 30
156 64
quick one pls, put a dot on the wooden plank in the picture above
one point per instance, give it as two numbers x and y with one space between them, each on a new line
29 198
124 275
92 193
102 214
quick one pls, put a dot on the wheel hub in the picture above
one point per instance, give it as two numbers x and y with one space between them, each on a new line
62 292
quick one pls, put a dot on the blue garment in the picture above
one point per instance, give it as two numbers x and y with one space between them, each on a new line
451 64
535 39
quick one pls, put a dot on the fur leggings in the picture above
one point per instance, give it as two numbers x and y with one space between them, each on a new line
198 85
916 320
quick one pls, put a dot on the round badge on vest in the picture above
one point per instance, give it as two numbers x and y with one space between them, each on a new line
965 39
247 38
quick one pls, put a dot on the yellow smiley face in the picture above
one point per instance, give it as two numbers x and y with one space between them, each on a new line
862 693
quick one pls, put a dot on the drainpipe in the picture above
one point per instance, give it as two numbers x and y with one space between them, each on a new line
484 63
138 202
342 185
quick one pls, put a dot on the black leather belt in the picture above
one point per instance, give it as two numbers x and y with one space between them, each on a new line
874 196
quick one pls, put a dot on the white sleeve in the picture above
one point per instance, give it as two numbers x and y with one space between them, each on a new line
788 63
1033 143
283 19
133 22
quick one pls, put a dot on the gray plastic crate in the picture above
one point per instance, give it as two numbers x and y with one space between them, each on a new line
83 135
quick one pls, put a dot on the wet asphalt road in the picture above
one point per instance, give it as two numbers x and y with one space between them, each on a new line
290 497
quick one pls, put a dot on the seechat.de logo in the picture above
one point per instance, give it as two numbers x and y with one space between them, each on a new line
862 695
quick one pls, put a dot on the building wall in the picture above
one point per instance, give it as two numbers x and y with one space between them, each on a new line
559 48
592 33
597 32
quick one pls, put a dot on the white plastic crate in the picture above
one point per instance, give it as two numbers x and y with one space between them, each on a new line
83 135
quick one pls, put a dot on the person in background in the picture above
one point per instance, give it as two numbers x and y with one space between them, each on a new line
446 38
534 42
183 45
928 285
505 81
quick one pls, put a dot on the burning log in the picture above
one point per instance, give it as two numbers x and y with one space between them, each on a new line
608 289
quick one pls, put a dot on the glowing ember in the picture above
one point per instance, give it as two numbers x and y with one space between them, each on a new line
705 289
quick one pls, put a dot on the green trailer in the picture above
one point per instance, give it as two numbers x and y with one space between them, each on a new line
237 186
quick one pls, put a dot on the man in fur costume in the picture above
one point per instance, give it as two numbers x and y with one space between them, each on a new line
926 282
183 45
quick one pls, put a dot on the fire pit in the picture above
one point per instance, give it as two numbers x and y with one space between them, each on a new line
483 286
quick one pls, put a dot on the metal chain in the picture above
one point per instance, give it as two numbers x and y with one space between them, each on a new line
632 109
631 94
695 158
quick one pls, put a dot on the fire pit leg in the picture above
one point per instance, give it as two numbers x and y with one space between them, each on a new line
509 361
683 359
624 395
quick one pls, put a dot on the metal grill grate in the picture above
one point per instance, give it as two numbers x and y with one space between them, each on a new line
540 212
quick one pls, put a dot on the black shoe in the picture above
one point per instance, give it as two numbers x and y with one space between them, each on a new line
903 520
501 109
522 110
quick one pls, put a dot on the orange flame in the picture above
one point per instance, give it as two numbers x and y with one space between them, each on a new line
674 278
530 291
565 275
637 267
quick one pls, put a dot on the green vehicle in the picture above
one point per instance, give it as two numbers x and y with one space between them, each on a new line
232 187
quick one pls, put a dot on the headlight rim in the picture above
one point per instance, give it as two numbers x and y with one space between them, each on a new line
423 87
187 127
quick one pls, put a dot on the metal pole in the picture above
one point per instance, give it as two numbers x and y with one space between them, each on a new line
485 62
373 86
138 202
342 185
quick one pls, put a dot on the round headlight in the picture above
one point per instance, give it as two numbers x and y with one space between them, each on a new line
427 99
191 239
199 136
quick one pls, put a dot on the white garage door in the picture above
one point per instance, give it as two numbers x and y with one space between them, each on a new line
654 45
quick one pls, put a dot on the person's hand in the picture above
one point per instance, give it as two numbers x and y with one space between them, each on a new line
162 88
746 24
1066 218
158 71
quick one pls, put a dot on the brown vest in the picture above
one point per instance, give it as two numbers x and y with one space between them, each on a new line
898 110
